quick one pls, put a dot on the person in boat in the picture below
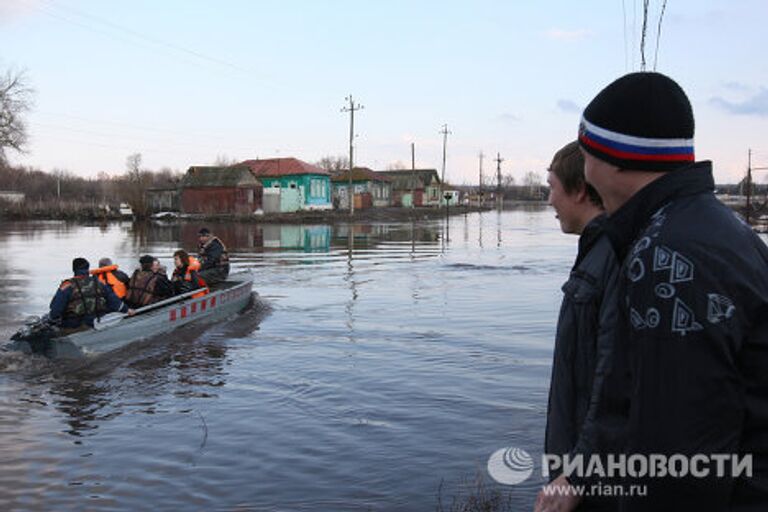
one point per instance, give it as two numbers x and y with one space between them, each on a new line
109 274
214 259
186 276
586 329
82 298
148 284
159 268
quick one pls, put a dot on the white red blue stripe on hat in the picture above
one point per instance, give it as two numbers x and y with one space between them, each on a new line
629 147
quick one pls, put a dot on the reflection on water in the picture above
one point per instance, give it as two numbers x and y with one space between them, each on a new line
380 360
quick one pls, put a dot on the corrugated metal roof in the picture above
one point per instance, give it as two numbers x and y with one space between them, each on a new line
276 167
203 176
361 174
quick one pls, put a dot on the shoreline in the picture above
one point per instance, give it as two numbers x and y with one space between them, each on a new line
386 214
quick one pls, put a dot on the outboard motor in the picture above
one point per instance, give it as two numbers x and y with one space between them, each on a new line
35 335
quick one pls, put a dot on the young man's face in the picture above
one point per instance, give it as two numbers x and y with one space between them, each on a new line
567 206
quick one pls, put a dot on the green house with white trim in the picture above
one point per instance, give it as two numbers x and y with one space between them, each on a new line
291 184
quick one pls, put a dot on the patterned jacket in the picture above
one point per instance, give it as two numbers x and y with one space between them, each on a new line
693 339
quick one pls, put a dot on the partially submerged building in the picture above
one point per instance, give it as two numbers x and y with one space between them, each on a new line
220 190
291 184
419 187
164 198
370 189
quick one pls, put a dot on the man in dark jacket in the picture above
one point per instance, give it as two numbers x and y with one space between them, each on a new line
693 300
148 284
83 298
586 326
213 256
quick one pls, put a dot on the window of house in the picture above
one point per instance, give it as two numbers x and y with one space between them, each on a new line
317 188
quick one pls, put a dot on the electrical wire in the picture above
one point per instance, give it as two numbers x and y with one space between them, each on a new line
658 33
624 16
642 36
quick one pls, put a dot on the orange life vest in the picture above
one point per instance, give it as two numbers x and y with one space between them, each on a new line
106 275
194 266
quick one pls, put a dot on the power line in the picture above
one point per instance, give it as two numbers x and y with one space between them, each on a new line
139 138
624 16
642 36
143 128
658 33
634 32
157 42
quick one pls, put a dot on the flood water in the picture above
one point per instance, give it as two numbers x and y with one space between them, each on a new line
379 361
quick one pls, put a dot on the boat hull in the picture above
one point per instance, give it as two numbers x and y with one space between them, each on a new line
214 306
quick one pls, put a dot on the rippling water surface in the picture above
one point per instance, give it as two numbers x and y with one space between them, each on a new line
379 361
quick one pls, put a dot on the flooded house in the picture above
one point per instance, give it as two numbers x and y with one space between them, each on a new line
417 187
291 184
370 189
164 197
216 190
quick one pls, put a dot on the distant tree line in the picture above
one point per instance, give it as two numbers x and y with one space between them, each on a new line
102 191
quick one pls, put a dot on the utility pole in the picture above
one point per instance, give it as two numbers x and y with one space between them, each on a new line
352 108
499 193
480 181
445 133
413 175
749 182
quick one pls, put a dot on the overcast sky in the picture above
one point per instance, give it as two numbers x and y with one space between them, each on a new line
185 81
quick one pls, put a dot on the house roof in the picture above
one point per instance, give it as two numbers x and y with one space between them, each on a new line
404 178
203 176
360 174
276 167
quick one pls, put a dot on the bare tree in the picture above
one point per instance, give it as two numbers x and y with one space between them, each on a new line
15 101
397 166
533 181
507 181
333 164
223 160
139 180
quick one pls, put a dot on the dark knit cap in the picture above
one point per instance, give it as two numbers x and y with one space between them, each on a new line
146 261
80 264
640 121
204 231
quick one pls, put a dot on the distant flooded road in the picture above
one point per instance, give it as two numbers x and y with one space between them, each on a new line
380 361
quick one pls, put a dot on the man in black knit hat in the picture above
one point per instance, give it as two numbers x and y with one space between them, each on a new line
691 360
